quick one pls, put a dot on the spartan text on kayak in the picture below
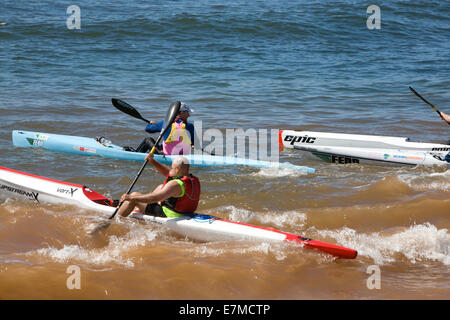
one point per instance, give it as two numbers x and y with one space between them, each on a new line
31 195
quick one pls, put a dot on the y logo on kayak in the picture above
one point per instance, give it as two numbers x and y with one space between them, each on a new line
67 191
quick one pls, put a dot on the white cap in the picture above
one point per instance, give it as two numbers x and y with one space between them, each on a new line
185 107
180 161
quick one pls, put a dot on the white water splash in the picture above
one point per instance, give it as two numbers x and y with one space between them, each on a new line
112 253
417 243
280 220
239 214
280 171
284 219
427 181
241 248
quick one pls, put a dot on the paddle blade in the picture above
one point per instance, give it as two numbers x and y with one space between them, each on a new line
172 113
101 226
170 118
126 108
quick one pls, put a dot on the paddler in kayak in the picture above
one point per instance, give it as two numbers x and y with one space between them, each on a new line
177 196
176 141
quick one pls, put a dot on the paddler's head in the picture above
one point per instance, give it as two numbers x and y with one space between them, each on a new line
180 167
184 112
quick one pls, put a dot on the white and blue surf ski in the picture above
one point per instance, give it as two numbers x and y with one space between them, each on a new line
91 147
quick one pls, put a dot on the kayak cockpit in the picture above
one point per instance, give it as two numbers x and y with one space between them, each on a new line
97 197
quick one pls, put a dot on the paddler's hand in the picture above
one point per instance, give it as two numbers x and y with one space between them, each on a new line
126 197
149 158
446 117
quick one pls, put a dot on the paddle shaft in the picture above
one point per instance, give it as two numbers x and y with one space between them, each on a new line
136 178
171 115
427 102
129 189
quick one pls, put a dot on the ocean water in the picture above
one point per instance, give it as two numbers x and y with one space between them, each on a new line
240 64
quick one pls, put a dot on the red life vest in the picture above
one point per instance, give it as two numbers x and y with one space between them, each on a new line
189 201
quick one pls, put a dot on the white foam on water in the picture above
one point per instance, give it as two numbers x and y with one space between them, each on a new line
240 248
77 253
280 220
283 219
239 214
418 243
10 205
280 171
112 253
427 181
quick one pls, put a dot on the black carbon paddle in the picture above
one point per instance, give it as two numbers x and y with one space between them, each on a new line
424 100
126 108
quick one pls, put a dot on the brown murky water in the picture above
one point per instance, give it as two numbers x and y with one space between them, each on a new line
397 219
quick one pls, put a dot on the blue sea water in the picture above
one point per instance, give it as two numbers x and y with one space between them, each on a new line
239 64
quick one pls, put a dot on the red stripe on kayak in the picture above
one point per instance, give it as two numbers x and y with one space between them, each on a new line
332 249
96 197
88 192
338 251
42 178
280 140
335 250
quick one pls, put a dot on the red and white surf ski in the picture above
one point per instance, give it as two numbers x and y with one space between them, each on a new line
17 184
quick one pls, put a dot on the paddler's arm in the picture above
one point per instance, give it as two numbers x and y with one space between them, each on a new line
192 134
161 168
171 189
153 126
446 117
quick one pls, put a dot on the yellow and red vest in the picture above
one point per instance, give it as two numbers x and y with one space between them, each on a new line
187 201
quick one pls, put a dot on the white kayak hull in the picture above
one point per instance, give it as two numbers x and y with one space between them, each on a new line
21 185
365 149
